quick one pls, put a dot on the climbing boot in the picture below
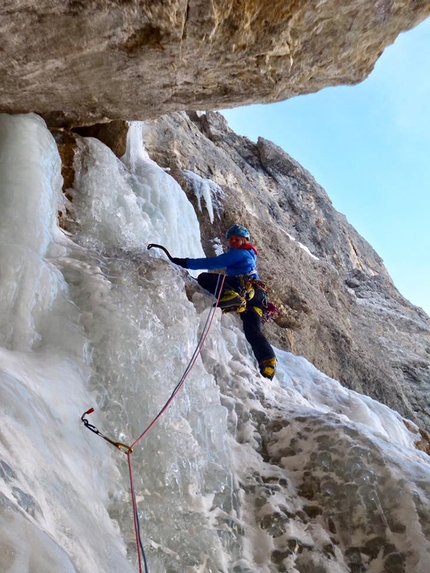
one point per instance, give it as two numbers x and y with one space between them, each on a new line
231 301
268 367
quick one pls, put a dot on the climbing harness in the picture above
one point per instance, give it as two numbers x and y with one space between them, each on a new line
248 287
265 309
128 450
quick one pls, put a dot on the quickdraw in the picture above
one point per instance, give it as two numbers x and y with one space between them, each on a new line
271 312
119 445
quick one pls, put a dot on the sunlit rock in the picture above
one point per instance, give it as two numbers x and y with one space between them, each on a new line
340 308
86 62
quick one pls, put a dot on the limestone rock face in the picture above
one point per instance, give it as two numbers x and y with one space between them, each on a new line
82 62
341 309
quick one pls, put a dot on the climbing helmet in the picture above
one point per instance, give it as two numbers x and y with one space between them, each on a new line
238 231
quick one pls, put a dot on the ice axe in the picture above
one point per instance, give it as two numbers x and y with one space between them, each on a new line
154 245
175 260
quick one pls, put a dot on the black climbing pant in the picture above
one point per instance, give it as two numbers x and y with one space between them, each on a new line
251 319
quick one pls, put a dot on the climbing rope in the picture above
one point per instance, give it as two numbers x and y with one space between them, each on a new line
128 450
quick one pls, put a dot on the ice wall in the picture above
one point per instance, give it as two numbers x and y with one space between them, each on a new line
53 503
98 321
29 173
242 475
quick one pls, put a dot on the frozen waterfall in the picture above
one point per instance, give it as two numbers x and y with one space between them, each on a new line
241 475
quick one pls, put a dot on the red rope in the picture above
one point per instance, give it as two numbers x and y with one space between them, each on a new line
135 518
184 377
158 416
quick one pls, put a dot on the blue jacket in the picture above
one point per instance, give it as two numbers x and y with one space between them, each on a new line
235 261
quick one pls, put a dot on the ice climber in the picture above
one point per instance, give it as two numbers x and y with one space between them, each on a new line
242 292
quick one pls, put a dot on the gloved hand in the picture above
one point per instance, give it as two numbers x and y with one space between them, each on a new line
180 262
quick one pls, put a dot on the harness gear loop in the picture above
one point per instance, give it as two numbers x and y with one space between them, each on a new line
249 287
246 288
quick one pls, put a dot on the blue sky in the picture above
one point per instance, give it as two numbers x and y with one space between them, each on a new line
369 147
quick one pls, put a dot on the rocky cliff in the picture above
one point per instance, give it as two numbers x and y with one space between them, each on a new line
80 62
341 309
